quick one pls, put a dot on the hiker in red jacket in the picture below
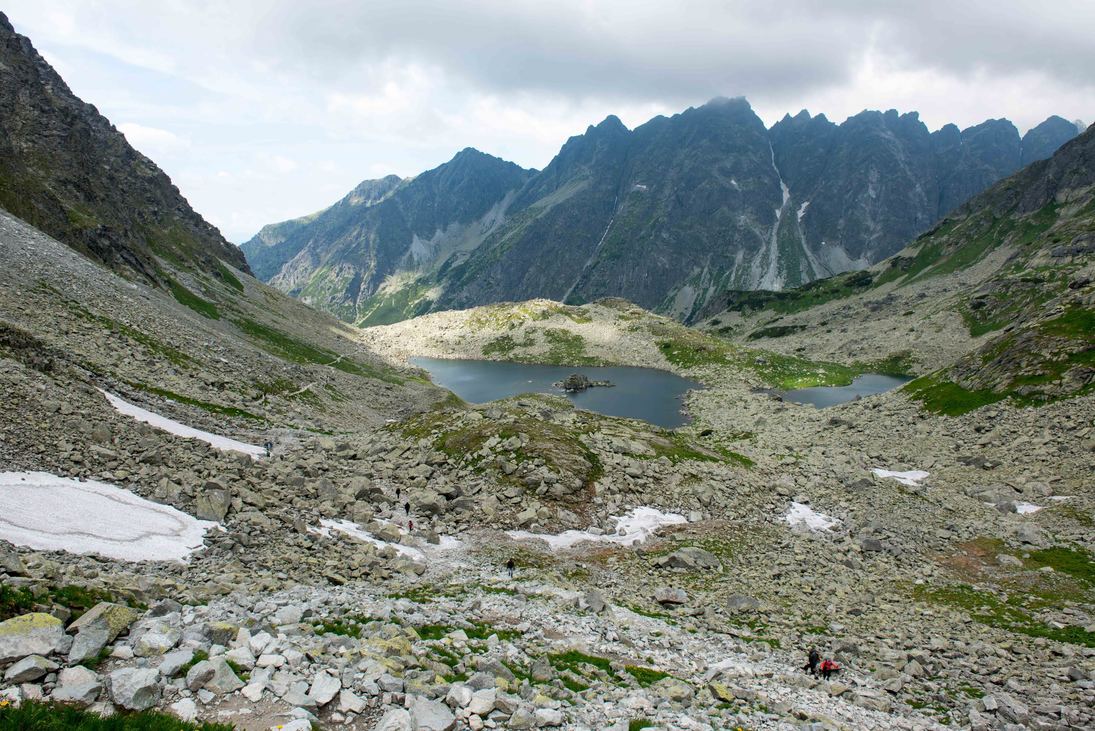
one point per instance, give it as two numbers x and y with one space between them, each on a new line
829 669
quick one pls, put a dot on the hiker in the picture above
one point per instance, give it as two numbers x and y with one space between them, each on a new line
269 446
410 526
511 567
397 494
407 508
812 661
829 669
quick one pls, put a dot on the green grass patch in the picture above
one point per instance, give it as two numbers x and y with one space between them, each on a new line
1076 562
645 677
775 331
37 716
477 631
343 626
228 277
946 397
284 346
566 348
500 346
184 296
203 405
15 601
76 599
199 656
801 298
638 724
576 662
987 609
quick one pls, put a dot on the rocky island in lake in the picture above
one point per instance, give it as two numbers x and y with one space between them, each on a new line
576 383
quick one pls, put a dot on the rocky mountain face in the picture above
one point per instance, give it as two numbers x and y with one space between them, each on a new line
1008 275
340 257
66 170
665 215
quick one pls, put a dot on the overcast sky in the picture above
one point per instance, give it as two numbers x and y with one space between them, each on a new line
262 111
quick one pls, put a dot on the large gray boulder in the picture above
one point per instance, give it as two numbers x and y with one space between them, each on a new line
199 674
691 558
77 685
136 689
157 640
396 719
669 595
29 669
98 627
741 603
30 634
430 715
224 680
324 688
212 503
10 562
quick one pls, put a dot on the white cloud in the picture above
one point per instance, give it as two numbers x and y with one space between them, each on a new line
300 101
152 141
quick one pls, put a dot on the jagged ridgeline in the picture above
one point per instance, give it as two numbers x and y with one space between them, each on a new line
68 172
1016 263
667 215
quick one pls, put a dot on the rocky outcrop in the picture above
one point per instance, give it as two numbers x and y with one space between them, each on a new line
577 382
66 170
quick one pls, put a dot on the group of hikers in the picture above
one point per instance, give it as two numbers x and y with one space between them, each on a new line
816 666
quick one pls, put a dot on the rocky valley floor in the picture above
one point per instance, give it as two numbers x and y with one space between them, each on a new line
356 576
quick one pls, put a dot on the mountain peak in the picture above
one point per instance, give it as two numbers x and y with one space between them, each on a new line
726 101
611 123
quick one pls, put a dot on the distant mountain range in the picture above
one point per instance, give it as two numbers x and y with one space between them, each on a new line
667 215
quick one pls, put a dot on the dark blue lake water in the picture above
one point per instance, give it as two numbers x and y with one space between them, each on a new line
865 385
654 396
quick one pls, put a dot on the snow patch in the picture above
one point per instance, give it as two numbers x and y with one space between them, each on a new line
169 425
631 529
911 478
800 514
354 530
1027 508
802 210
50 513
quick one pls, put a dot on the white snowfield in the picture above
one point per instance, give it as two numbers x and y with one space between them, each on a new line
911 478
801 515
631 529
50 513
170 425
1027 508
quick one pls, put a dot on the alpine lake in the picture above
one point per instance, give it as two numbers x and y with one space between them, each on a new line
648 394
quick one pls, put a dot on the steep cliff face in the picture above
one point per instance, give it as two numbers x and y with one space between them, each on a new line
341 257
661 213
66 170
666 215
1012 270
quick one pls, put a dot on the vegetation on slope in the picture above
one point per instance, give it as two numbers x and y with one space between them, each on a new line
36 716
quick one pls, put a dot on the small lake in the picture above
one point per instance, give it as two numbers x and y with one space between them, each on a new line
654 396
866 385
